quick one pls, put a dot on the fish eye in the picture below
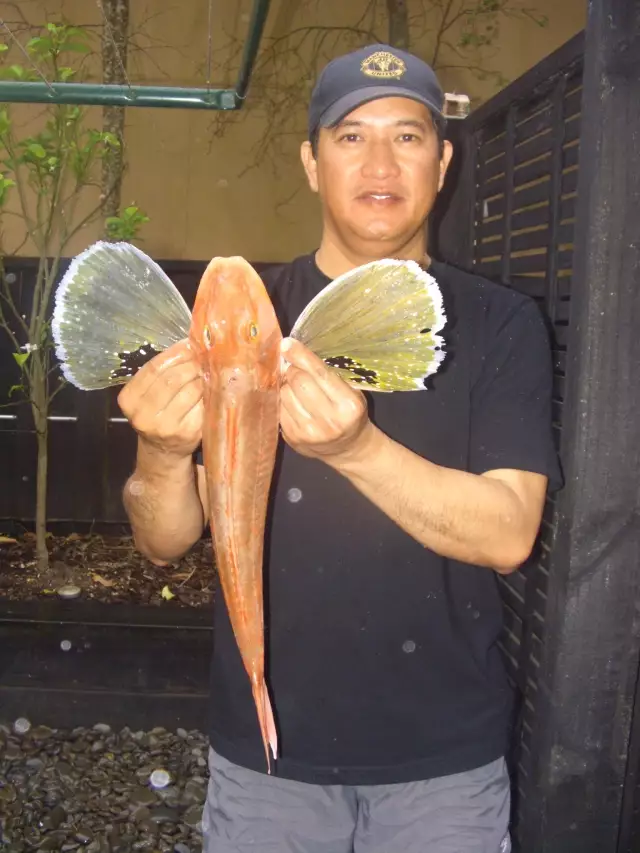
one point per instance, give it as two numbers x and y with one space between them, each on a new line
253 330
206 334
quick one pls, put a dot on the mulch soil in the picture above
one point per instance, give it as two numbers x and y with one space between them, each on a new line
106 569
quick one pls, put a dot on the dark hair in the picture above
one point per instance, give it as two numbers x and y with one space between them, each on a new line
439 124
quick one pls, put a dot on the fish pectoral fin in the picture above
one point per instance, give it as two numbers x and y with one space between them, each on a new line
377 326
115 308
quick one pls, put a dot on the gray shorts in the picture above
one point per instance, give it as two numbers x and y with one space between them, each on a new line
463 813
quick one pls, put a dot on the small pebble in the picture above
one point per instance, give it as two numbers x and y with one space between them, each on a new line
65 645
163 814
21 726
160 778
192 816
55 817
69 590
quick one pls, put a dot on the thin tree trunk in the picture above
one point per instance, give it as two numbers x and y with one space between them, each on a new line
39 407
114 63
398 23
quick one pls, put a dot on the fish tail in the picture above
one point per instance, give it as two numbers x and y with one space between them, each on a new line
266 720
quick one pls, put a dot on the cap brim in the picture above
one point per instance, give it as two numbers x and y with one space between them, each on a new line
343 106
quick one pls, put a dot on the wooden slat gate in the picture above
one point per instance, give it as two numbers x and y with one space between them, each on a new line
545 198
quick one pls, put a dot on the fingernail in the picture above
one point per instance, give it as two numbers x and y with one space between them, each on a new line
285 344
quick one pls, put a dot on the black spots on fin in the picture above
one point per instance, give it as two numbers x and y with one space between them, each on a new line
131 362
425 331
361 374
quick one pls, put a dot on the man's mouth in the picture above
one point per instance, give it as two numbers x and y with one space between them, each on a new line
379 197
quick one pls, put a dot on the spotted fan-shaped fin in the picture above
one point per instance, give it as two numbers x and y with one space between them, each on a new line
114 309
377 326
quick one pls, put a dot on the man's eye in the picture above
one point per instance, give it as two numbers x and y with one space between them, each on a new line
349 137
409 137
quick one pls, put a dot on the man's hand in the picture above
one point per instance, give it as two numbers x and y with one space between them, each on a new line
320 415
163 402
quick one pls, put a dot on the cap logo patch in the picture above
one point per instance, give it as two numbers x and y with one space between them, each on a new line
383 65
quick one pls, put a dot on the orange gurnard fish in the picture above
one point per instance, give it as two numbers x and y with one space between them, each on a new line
236 338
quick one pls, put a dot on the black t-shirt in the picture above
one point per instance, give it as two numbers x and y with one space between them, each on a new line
381 655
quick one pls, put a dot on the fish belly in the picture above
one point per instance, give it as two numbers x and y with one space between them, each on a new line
239 447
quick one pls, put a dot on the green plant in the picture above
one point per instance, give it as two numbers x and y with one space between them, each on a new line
49 179
126 226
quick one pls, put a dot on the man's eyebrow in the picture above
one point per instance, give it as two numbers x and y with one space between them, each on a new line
403 122
346 123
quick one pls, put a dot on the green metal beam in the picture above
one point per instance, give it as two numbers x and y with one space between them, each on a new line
256 27
96 94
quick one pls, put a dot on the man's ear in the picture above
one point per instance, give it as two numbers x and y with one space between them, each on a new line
310 165
445 160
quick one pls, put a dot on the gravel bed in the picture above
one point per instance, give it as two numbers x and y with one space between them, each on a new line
101 791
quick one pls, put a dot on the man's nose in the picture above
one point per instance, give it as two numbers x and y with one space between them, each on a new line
380 160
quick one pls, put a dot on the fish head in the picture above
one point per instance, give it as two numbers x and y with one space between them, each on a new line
234 329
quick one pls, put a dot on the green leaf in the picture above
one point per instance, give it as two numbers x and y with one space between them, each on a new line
5 122
14 389
5 186
75 31
21 357
66 73
37 150
4 48
75 47
111 139
38 44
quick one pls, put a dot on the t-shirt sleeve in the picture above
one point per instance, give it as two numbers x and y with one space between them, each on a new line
511 400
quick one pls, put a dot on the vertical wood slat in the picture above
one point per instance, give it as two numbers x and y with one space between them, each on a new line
557 101
508 192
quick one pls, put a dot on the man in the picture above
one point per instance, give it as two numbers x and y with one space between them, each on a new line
390 519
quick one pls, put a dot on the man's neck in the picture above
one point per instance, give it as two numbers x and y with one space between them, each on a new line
335 260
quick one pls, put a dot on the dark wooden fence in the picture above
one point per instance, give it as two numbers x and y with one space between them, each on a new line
545 198
516 191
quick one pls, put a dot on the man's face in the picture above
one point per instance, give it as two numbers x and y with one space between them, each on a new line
378 173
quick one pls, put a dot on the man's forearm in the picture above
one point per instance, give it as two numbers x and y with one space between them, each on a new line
162 502
459 515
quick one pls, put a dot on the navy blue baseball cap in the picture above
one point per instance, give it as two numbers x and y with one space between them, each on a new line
369 73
